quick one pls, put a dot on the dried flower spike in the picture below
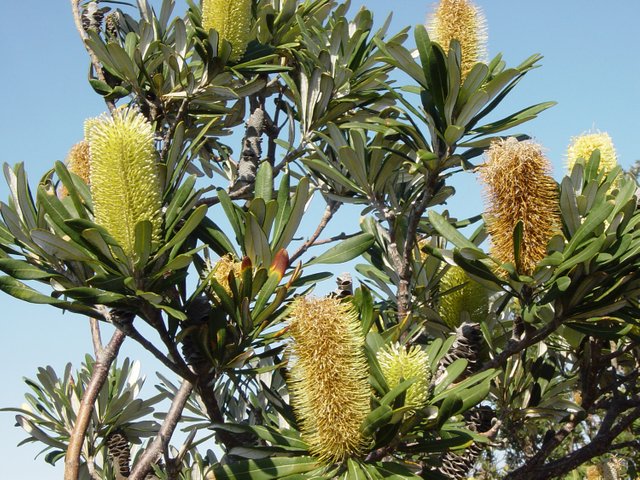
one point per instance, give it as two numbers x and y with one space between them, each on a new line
520 189
232 20
584 145
471 298
463 21
399 364
78 163
125 183
328 378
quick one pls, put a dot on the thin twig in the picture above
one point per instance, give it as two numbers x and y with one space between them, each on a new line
242 192
97 67
131 332
154 318
329 212
161 442
96 337
98 378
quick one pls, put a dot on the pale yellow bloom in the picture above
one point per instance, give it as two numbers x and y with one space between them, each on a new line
519 188
328 377
463 21
124 176
232 20
471 298
584 145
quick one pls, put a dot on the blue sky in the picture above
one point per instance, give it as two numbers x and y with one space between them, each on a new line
590 67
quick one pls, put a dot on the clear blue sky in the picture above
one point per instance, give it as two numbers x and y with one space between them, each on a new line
590 67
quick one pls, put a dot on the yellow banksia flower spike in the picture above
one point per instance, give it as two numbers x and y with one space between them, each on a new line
471 298
125 183
593 473
222 268
399 364
584 145
463 21
519 188
77 162
232 20
328 377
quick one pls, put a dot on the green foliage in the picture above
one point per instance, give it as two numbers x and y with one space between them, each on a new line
555 354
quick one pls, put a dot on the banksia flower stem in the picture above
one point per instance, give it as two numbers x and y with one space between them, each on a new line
125 183
460 20
232 20
520 189
328 378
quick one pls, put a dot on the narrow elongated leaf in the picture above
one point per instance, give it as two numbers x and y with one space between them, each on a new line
346 250
265 469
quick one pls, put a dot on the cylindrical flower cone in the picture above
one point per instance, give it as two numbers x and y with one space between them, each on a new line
222 268
124 176
399 364
584 145
471 298
520 189
77 162
463 21
328 378
232 20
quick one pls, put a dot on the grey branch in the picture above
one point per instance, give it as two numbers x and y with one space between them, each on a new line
161 442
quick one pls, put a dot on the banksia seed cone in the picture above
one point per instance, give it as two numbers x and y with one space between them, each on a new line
520 189
467 345
78 163
471 298
399 364
584 145
328 378
125 183
463 21
120 453
232 20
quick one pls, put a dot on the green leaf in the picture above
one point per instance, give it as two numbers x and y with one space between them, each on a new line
346 250
264 182
265 469
24 271
376 419
142 245
444 228
57 247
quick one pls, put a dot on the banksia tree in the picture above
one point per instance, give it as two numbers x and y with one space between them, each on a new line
328 377
232 20
125 183
460 294
399 364
463 21
519 189
584 145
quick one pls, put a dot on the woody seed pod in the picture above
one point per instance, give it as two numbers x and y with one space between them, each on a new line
328 377
519 189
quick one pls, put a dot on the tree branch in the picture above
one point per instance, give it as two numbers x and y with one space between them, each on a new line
96 337
98 377
329 212
161 442
97 67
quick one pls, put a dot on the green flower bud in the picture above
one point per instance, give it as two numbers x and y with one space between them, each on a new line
399 364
